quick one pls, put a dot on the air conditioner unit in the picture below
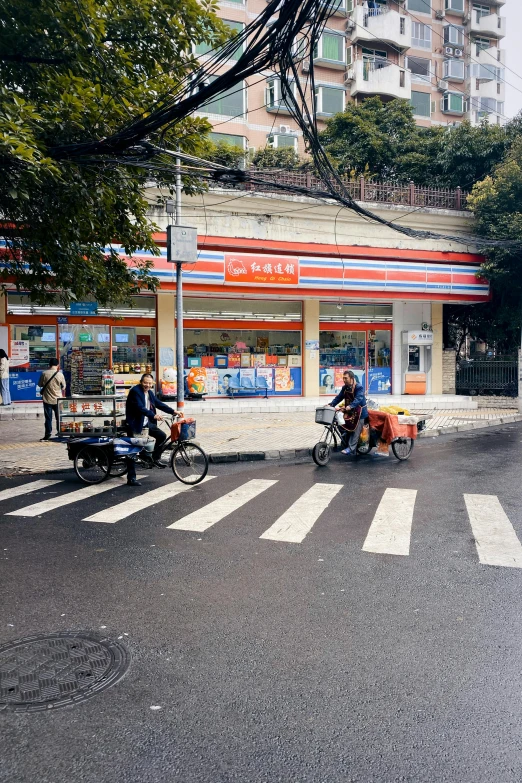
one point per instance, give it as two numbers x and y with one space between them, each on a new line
439 14
448 50
442 85
458 52
350 24
306 66
349 75
284 129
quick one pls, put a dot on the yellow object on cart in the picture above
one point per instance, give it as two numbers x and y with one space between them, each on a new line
394 409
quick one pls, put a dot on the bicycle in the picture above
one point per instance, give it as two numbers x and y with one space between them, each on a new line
334 435
99 458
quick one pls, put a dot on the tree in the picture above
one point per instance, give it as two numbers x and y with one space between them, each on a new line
72 71
270 158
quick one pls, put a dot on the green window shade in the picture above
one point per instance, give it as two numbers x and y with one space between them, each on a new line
455 102
205 48
230 103
228 138
285 141
332 100
421 103
333 46
424 6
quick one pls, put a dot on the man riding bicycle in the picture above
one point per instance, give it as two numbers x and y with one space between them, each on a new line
355 410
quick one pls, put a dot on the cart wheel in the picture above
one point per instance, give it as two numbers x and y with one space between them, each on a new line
364 449
402 447
321 453
189 463
118 467
92 464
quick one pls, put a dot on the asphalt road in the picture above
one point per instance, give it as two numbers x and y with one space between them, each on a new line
269 661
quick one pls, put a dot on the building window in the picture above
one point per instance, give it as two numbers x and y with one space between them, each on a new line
455 5
282 140
420 69
481 44
421 103
424 6
421 35
454 103
481 10
329 100
228 138
488 73
274 98
236 27
454 35
230 103
330 47
454 69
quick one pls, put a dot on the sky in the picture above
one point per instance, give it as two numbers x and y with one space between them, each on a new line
512 44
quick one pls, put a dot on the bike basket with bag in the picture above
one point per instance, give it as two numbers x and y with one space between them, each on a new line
324 415
183 429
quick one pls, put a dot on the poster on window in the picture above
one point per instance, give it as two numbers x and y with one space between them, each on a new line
247 377
283 379
268 374
19 353
212 384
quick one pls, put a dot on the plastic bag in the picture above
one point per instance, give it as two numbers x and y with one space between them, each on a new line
364 437
394 410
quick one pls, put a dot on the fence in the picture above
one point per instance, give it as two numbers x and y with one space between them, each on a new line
363 190
488 376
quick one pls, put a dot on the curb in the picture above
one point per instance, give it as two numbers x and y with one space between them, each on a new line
289 454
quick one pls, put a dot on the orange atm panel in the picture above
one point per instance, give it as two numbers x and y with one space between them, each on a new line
415 383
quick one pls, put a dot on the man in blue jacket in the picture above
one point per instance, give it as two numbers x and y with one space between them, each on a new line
352 394
140 411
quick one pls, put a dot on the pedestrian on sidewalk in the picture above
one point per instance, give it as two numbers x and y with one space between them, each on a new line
140 413
4 378
51 383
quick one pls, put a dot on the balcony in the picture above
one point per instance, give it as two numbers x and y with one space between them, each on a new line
380 77
338 7
491 25
490 57
380 25
488 90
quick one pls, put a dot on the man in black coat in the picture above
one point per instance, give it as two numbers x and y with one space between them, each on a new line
140 412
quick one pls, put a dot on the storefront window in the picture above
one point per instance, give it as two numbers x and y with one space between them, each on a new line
40 347
379 362
132 347
84 355
340 351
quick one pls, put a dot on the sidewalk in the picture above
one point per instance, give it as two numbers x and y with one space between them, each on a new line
228 438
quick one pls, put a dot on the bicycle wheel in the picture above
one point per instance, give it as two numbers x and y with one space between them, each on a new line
118 467
189 463
321 453
92 464
402 448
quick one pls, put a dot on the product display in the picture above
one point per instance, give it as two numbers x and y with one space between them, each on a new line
96 415
86 367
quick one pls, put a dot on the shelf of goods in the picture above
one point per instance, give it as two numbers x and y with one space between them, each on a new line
86 370
78 416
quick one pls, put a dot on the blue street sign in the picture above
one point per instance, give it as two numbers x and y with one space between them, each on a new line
83 308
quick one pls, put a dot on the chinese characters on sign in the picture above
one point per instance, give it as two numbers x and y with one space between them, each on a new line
265 270
416 338
19 353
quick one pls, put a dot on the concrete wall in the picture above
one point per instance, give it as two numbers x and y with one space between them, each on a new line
311 357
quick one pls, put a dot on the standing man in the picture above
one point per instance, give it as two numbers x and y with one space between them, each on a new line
355 410
140 411
51 383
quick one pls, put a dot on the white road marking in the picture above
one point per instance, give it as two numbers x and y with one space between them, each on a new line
64 500
140 502
302 515
496 541
205 517
24 489
390 531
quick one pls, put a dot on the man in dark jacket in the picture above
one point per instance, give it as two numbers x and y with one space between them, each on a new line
353 396
140 411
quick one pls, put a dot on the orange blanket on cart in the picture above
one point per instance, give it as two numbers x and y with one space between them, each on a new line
387 425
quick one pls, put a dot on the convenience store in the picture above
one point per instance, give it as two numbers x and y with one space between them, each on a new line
295 315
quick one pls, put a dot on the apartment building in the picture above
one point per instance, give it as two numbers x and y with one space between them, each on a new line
444 56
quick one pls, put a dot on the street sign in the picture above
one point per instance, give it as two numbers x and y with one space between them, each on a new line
182 245
83 308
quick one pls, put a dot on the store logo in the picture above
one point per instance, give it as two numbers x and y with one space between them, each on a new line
236 267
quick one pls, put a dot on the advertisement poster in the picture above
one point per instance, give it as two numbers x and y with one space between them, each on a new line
268 374
312 345
277 270
19 353
379 380
224 377
338 378
234 360
22 386
212 383
283 379
258 359
248 375
326 381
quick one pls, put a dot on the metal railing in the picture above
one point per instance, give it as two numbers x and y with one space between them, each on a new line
487 376
404 194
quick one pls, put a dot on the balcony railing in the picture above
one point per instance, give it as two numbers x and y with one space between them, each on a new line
406 194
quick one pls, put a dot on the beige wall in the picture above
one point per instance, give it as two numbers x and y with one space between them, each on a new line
436 359
166 309
311 358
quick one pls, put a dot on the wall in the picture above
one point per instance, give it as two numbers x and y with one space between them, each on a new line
407 316
448 372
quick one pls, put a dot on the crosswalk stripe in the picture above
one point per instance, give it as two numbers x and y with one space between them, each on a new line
24 489
390 530
496 541
64 500
205 517
132 505
300 518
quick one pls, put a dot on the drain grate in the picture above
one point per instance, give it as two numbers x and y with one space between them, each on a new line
44 672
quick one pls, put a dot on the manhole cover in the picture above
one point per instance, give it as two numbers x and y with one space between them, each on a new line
44 672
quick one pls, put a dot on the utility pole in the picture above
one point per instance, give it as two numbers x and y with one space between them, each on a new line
180 396
519 374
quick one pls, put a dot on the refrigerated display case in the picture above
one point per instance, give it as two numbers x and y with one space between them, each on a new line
88 416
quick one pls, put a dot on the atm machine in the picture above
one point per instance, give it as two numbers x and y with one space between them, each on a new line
416 361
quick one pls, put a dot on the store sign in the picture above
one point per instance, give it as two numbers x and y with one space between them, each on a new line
19 353
261 270
62 319
420 338
83 308
85 337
